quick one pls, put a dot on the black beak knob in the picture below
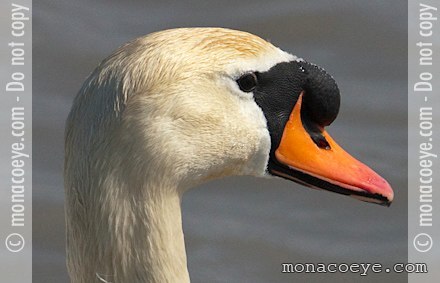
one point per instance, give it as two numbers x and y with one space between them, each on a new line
321 98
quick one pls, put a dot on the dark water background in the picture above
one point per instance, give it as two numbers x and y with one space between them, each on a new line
242 229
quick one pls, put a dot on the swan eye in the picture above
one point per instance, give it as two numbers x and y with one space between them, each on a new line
247 82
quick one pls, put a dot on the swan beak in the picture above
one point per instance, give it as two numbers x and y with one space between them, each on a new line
330 168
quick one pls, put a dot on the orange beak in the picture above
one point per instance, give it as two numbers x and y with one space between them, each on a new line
327 168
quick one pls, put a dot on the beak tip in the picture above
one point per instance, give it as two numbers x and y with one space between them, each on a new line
386 192
390 195
374 188
374 184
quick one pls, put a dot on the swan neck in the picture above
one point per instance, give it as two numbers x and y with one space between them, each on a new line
165 258
153 248
135 239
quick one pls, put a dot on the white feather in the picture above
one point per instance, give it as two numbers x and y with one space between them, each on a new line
159 116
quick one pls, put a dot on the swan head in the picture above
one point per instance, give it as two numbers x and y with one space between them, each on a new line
185 106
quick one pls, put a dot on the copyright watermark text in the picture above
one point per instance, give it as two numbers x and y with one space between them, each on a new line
363 269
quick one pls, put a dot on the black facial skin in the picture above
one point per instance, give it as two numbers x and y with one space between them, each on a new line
277 91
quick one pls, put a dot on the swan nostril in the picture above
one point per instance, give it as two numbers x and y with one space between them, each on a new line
314 130
321 142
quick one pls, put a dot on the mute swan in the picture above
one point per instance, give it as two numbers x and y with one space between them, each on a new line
176 108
